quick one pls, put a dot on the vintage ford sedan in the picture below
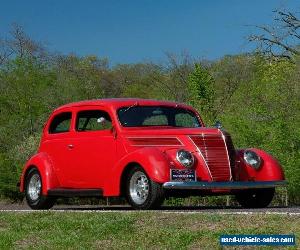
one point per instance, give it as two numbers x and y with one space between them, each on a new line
145 150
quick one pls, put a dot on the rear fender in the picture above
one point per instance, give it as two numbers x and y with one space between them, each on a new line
270 169
42 162
151 159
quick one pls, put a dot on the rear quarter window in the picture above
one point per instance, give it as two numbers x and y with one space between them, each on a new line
60 123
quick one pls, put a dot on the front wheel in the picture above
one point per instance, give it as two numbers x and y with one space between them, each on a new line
141 191
33 191
255 198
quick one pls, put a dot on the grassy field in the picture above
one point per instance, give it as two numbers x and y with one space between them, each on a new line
134 230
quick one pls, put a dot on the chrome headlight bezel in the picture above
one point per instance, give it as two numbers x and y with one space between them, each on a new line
185 158
252 159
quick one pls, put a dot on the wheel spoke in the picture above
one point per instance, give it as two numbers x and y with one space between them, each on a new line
34 187
139 187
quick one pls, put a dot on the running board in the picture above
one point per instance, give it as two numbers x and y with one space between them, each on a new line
70 192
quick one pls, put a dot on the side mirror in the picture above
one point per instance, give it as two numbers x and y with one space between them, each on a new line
218 125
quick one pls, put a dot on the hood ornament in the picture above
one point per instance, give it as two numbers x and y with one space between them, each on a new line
218 125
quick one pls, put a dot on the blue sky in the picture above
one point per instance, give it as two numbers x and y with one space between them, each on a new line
134 31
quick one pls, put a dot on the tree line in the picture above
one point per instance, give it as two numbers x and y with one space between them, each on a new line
255 95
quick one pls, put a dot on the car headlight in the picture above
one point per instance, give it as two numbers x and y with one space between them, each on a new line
185 158
252 158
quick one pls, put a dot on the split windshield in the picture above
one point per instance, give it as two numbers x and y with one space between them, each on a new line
141 116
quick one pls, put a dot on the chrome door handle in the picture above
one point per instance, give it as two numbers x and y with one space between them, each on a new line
70 146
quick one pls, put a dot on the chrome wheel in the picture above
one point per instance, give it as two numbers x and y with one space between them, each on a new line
139 187
34 187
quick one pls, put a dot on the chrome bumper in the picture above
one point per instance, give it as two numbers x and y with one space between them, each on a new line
222 185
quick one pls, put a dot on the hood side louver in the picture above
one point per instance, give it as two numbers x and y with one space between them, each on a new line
154 141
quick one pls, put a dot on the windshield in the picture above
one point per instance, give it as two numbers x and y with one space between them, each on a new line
141 116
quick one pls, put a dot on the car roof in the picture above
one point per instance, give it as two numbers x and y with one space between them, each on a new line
121 102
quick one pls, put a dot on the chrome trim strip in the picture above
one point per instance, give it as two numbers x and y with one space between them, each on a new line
223 137
204 142
203 185
200 153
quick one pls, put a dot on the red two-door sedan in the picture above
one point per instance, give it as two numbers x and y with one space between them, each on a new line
145 150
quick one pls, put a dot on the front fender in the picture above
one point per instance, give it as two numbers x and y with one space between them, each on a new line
151 159
270 170
42 162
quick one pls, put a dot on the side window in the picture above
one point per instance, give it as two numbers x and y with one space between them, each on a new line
186 120
60 123
92 120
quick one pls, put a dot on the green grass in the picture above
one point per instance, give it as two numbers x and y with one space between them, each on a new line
134 230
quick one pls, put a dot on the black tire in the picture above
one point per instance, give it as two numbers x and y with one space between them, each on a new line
255 198
40 201
155 196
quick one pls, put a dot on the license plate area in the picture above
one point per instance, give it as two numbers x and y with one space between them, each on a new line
183 175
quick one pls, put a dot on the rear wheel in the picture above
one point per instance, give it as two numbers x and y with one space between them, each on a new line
255 198
141 191
33 191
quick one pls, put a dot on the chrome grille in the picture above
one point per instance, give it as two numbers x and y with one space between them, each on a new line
214 151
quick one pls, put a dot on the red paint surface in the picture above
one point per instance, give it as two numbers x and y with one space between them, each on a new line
97 159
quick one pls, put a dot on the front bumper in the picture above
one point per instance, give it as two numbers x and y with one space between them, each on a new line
202 185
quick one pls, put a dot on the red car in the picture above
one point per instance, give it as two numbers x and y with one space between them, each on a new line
145 150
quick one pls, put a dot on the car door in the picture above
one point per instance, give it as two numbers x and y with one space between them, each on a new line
94 147
57 145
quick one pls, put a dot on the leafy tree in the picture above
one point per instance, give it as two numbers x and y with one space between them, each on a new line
201 89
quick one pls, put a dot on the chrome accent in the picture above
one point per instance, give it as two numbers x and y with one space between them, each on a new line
202 185
224 139
230 148
139 187
204 142
253 165
185 151
201 155
34 187
212 157
218 125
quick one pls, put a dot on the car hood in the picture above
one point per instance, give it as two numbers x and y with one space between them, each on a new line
170 137
159 131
